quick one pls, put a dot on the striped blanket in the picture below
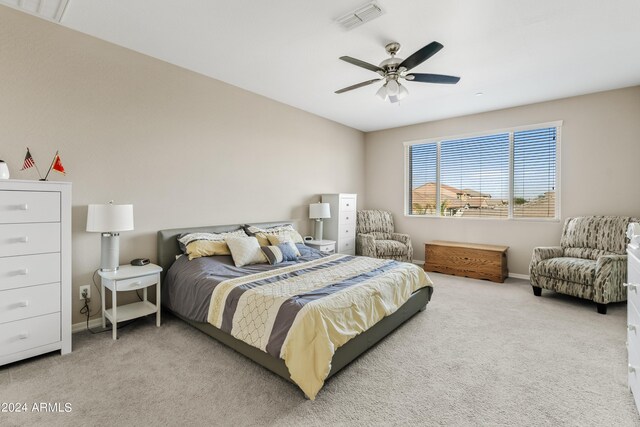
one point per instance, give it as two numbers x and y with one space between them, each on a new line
302 313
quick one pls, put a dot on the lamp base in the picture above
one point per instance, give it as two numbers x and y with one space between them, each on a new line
318 230
110 252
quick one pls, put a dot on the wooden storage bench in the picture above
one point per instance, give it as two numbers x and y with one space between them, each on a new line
467 259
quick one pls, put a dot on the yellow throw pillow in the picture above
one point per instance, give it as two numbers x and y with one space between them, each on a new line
200 248
263 239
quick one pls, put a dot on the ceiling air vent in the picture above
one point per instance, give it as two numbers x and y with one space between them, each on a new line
47 9
359 16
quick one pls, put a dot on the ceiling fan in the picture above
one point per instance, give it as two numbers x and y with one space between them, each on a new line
393 69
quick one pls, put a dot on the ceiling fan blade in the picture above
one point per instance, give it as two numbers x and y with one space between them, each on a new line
356 86
362 64
420 56
432 78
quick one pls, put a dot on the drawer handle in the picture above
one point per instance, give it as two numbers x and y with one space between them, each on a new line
23 239
136 283
632 327
24 303
24 207
23 272
633 286
632 369
347 217
23 336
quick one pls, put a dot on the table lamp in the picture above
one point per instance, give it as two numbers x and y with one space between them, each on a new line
110 219
319 211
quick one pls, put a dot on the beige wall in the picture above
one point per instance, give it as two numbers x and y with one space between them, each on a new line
600 170
184 149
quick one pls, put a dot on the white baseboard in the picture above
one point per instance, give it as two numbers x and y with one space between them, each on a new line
82 326
512 275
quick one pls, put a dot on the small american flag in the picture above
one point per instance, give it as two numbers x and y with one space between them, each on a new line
28 161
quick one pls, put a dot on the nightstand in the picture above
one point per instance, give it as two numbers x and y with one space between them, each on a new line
326 246
130 278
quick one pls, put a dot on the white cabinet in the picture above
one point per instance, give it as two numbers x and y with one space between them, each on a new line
633 321
35 268
341 227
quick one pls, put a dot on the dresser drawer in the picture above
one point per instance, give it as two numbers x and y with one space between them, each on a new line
346 231
347 246
31 301
347 204
348 217
27 239
27 270
633 269
29 333
133 284
29 206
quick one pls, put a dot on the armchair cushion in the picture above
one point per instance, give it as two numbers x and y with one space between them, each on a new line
374 221
576 270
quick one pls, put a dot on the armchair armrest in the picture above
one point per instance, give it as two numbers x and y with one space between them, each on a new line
366 245
546 252
540 254
611 273
406 239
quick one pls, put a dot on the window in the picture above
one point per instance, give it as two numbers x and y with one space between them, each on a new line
505 174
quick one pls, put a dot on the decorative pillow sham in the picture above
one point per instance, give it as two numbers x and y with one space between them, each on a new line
197 245
276 240
245 251
280 230
279 253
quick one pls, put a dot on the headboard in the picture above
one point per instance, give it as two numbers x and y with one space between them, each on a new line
168 246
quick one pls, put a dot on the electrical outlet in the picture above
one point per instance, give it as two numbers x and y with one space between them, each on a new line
83 289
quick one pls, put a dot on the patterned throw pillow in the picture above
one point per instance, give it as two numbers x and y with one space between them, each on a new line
276 240
245 251
197 245
279 253
280 230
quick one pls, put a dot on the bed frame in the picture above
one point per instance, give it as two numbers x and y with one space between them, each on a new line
168 249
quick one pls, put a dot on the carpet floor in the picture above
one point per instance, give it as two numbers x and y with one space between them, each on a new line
481 354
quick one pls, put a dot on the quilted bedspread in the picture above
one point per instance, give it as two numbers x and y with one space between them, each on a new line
302 313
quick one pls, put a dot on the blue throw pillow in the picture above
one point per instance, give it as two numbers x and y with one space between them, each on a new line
289 251
280 253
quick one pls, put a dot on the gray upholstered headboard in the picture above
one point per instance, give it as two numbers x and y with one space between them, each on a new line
168 239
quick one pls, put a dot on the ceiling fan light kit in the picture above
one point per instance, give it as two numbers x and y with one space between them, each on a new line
393 69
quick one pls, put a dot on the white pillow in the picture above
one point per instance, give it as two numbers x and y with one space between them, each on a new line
245 251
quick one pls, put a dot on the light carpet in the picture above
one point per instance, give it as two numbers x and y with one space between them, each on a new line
481 354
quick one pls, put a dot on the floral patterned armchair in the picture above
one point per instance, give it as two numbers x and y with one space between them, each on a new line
376 237
590 262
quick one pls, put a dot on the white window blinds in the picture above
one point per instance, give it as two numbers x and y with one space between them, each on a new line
508 174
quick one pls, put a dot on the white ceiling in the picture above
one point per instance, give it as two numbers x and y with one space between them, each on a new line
516 52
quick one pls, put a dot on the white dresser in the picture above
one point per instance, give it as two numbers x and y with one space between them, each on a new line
35 268
341 227
633 321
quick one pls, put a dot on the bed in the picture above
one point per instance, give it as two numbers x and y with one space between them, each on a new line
189 292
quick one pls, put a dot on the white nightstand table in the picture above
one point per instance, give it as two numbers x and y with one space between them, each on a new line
130 278
326 246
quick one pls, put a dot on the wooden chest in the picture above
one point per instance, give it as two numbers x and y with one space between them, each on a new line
467 259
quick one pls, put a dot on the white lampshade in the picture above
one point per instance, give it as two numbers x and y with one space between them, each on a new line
392 88
319 210
110 218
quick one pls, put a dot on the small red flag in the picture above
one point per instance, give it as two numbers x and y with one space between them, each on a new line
28 161
57 165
